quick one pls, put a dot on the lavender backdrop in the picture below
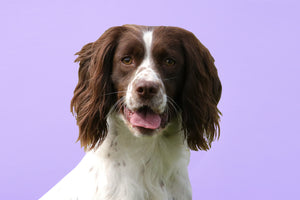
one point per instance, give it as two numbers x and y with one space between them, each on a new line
256 47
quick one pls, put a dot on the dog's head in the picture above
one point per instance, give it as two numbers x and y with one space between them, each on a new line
149 75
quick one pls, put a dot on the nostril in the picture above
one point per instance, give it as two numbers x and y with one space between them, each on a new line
140 90
153 89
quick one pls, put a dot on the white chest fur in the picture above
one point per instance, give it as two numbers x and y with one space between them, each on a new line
126 167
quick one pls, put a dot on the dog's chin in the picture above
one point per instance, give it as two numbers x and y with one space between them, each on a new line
143 132
144 121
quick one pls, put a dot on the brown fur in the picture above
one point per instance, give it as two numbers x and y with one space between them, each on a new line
201 94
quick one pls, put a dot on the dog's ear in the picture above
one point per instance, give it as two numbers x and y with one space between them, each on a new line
91 101
201 94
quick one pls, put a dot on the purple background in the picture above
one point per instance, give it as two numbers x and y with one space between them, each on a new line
256 47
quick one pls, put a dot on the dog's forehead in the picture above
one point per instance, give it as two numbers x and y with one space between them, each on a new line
167 36
130 44
133 37
155 37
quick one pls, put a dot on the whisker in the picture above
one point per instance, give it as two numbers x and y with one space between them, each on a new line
174 108
171 78
118 92
173 104
118 105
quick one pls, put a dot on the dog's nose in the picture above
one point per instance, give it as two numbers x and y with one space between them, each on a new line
146 89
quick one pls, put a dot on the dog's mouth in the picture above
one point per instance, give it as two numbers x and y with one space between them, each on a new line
145 119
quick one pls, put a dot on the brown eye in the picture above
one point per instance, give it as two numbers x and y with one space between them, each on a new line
169 62
127 60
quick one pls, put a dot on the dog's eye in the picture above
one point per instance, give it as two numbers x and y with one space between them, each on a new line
127 60
169 62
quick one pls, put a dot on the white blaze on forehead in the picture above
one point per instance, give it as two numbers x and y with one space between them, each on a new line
145 70
148 42
147 37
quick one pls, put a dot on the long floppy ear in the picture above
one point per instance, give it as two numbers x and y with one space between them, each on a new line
91 101
201 94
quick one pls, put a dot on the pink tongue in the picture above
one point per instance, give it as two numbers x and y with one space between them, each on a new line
148 119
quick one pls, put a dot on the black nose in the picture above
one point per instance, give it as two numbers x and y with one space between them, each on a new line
146 89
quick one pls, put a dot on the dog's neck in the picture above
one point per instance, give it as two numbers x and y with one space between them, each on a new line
153 162
163 148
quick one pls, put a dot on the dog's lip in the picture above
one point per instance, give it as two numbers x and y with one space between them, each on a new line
150 121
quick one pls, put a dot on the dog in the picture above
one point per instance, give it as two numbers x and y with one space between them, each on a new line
146 96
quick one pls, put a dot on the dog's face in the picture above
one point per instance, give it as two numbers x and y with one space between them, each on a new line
149 75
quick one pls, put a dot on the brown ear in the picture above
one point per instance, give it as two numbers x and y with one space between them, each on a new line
201 94
91 101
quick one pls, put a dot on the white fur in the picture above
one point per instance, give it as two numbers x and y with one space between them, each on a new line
147 37
126 167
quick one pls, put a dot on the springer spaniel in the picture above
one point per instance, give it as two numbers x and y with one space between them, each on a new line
145 96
